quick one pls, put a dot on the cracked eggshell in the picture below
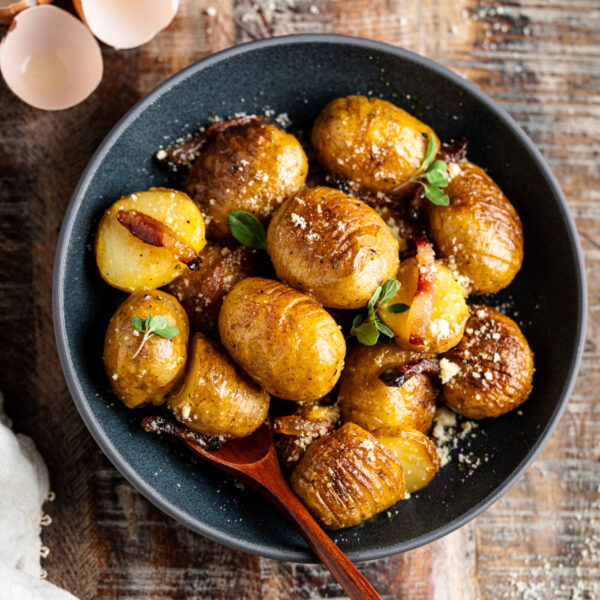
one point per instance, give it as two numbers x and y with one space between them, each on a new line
9 8
126 24
49 59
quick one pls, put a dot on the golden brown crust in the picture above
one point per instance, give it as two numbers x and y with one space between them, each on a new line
347 477
495 366
282 338
480 231
217 398
252 167
201 292
331 246
369 141
366 400
160 363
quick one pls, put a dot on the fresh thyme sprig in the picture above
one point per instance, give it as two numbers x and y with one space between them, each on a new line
368 329
150 326
432 175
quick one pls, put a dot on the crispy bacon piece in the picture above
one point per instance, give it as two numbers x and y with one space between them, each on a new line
157 424
453 151
184 154
398 376
156 233
419 315
298 425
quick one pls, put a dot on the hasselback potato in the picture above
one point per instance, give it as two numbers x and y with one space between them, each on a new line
217 398
347 477
282 338
144 371
366 400
479 232
370 142
252 167
331 246
490 371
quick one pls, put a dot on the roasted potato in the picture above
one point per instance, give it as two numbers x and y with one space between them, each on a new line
490 371
217 398
142 372
282 338
347 477
331 246
449 311
128 263
480 232
368 402
201 291
369 141
252 167
415 452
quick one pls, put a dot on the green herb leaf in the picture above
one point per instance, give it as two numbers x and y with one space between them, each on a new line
247 229
436 196
358 319
167 332
439 165
389 290
367 333
436 178
398 308
156 323
137 324
373 299
383 328
429 153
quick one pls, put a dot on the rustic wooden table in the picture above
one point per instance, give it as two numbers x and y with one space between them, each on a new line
540 60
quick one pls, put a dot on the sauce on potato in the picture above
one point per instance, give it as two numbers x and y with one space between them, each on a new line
146 376
331 246
252 167
217 398
370 142
282 338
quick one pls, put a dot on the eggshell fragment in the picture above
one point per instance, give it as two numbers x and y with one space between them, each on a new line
126 23
9 8
49 58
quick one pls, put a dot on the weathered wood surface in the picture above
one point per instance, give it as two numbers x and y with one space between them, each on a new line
541 61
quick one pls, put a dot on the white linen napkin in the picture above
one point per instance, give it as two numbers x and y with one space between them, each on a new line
23 489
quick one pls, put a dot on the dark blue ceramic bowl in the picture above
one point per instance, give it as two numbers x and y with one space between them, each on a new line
298 75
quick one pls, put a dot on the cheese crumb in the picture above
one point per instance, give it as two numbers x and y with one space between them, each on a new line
115 376
453 171
161 154
298 221
185 411
448 370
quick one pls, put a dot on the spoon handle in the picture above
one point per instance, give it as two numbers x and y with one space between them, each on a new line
271 484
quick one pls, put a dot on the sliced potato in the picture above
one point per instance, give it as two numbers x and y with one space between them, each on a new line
128 263
415 451
449 312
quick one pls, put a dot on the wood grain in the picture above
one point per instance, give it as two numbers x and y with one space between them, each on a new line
540 60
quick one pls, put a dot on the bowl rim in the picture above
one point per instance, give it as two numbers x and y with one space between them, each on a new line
76 391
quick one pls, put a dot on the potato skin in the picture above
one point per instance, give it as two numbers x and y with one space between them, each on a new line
217 398
127 263
201 292
496 367
365 400
282 338
369 141
449 311
149 376
347 477
252 167
331 246
480 231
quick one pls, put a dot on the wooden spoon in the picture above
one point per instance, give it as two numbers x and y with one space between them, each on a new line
253 460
